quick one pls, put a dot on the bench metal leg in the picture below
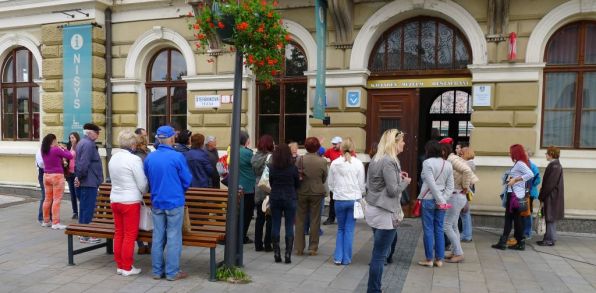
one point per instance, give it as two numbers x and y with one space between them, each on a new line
70 251
109 246
212 265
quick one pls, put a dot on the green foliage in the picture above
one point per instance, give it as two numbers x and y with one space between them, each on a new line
258 32
232 275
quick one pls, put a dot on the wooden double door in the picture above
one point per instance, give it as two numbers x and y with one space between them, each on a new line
396 108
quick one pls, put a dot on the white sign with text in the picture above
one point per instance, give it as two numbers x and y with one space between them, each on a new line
481 96
212 101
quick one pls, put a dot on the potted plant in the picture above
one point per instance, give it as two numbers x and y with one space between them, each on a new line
252 26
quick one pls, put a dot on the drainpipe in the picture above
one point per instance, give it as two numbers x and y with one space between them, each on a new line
108 19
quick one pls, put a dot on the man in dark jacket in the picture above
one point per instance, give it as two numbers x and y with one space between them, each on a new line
183 141
169 179
211 148
198 162
89 175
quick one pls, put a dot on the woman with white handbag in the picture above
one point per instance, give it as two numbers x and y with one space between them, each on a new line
128 186
346 181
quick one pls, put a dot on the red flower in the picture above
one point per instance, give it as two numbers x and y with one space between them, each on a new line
196 26
264 2
189 14
198 45
288 37
220 25
280 46
273 72
211 25
270 14
242 26
261 63
261 28
201 36
275 3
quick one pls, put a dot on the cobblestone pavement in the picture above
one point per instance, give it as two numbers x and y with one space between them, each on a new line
33 259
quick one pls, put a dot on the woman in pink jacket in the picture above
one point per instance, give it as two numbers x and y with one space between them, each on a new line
53 179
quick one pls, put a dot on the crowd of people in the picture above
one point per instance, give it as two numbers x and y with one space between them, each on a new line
296 190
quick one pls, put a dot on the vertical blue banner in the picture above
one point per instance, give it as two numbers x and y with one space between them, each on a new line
77 79
321 38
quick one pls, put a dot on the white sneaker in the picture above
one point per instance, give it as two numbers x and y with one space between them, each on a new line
58 226
44 224
119 271
133 271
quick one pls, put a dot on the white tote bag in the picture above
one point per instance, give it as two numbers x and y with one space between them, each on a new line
358 210
264 180
146 219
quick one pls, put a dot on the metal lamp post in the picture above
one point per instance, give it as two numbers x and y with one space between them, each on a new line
230 253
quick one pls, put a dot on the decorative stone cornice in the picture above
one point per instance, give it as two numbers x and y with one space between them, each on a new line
342 13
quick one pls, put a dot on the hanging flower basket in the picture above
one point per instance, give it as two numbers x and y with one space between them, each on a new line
253 27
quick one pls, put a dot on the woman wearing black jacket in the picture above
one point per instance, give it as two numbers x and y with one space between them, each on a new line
284 180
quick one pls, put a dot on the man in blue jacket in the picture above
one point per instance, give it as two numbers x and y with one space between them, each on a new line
534 183
169 178
89 172
198 162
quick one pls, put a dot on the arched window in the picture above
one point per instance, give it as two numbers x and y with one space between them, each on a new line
450 113
20 96
569 103
420 43
166 91
282 106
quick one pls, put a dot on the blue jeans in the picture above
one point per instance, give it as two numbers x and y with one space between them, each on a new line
344 212
288 209
381 247
466 223
432 225
73 193
167 228
87 199
43 195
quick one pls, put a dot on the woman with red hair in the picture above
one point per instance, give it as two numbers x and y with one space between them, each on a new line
514 199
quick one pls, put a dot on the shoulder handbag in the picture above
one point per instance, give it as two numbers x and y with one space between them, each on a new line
186 226
540 222
264 180
359 207
301 168
146 217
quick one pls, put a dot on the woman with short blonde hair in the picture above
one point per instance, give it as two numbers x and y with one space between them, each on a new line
128 186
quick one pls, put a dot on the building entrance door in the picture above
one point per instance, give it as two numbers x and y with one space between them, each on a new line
396 108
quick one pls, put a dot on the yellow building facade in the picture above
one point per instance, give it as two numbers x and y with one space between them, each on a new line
423 66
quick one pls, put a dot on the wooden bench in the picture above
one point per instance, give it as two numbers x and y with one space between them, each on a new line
207 210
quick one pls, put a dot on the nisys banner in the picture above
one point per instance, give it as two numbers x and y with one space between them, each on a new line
77 78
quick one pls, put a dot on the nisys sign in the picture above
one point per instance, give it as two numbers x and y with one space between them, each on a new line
77 79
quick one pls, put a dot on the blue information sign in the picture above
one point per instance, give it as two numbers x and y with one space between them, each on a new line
77 79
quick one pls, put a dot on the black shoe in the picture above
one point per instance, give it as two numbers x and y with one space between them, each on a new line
276 249
520 245
289 248
329 222
75 216
544 243
268 248
389 260
502 244
248 240
259 248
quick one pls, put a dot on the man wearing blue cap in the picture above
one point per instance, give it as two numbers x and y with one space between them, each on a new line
169 178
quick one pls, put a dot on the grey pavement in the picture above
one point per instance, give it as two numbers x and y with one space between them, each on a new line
33 259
